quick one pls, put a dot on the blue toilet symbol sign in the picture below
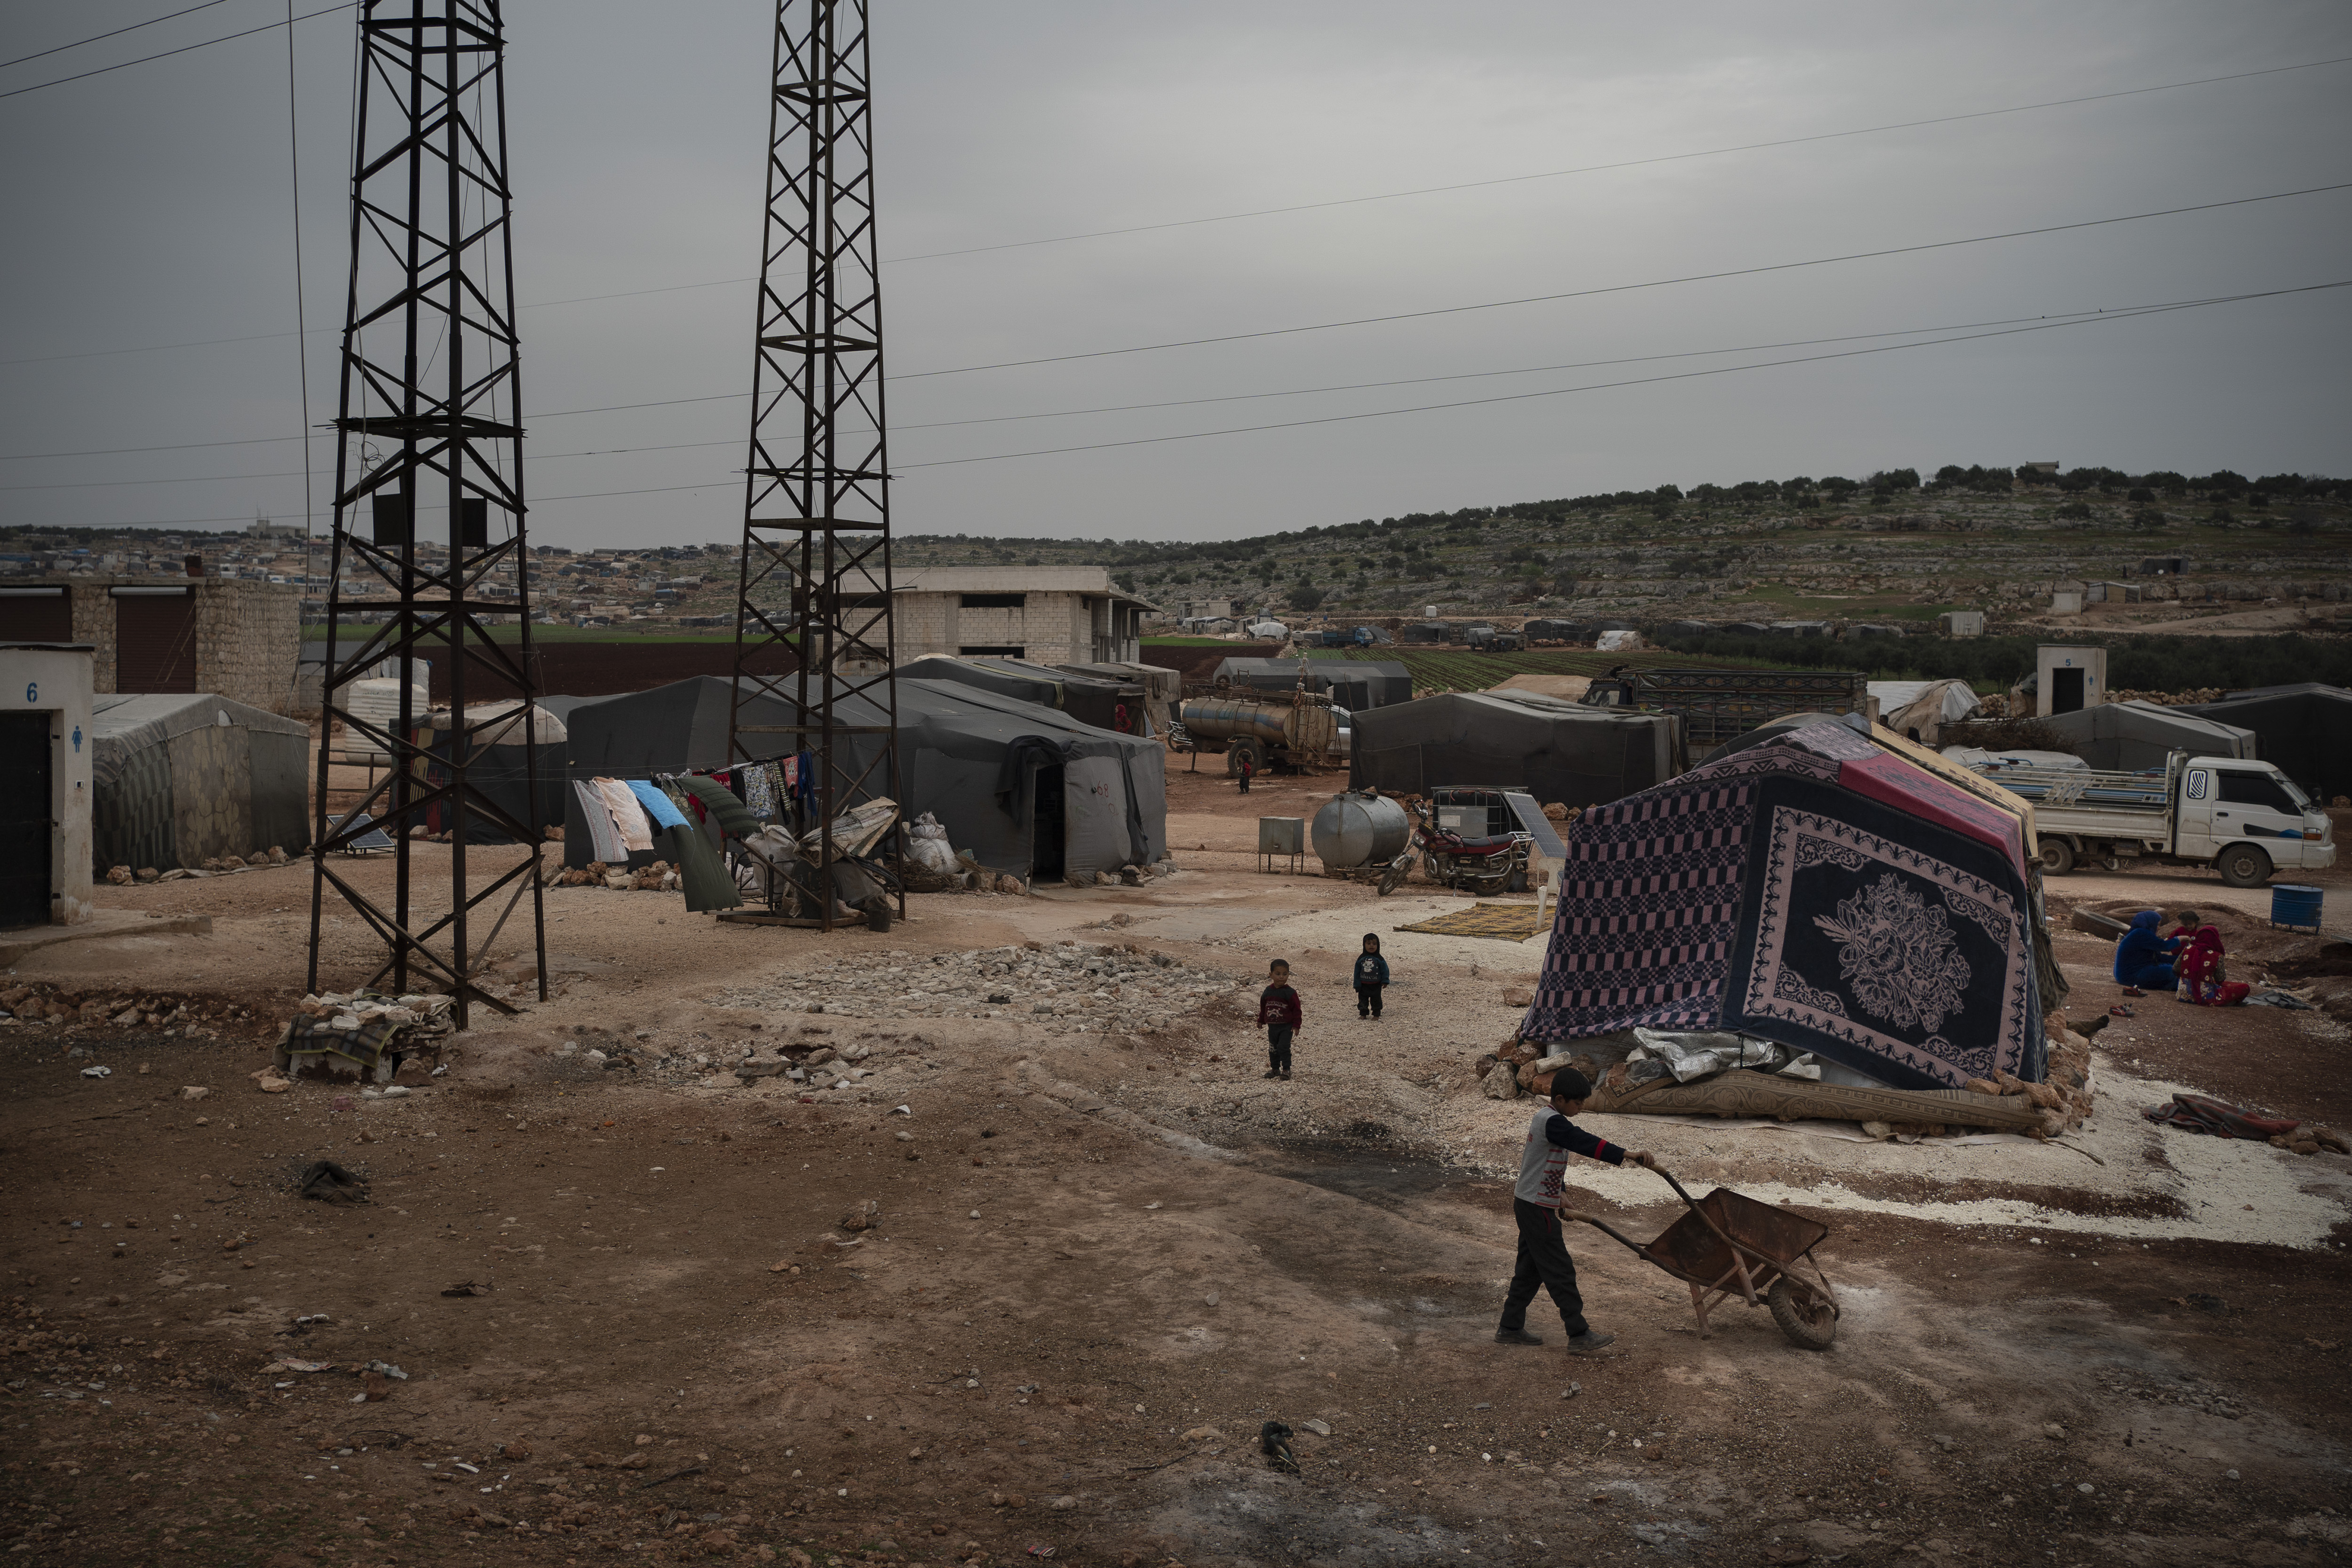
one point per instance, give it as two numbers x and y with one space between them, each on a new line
77 738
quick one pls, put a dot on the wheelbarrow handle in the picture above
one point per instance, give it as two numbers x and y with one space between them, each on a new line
1637 1248
1668 1176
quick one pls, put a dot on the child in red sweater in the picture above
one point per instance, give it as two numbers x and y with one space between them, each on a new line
1278 1015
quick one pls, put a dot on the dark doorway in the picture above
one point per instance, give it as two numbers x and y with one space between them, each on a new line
2065 691
25 824
1046 828
154 642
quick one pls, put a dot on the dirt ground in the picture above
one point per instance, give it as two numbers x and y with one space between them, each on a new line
1103 1260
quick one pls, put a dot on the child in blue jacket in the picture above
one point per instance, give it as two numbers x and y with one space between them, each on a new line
2144 957
1371 978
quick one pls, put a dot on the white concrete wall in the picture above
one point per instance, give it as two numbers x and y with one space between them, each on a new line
56 682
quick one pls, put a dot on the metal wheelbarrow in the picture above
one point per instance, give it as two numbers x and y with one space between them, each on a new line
1728 1244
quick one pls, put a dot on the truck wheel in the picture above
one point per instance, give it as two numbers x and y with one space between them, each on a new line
2057 856
2244 865
1239 749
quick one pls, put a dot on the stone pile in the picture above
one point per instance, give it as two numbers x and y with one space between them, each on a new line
659 878
1068 988
421 1013
121 1009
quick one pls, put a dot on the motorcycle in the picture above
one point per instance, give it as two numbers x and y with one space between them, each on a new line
1479 865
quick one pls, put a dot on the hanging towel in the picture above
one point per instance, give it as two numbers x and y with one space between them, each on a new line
657 804
804 783
730 812
759 791
702 874
603 838
628 816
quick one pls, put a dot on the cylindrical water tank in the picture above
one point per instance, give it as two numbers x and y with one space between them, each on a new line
2296 907
1353 830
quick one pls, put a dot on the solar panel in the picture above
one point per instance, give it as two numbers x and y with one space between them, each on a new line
373 838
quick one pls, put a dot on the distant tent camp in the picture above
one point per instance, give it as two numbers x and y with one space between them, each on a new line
2305 730
1555 750
2134 735
1816 889
1026 788
1158 688
181 778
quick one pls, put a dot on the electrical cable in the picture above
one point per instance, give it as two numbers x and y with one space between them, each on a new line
1309 206
1602 168
2126 314
94 37
1621 288
1133 407
1603 387
167 54
302 342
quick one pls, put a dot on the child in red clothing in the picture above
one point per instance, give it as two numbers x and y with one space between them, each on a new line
1279 1016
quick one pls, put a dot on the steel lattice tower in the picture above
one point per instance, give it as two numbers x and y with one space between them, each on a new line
430 450
813 623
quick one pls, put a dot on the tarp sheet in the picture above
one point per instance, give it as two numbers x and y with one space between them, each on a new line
1556 750
1354 684
1814 889
181 778
2304 731
1090 698
2128 737
953 739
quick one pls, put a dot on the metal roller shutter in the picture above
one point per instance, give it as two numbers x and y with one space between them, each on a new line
155 642
35 618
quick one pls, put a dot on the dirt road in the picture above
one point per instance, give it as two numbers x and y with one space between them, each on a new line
1106 1252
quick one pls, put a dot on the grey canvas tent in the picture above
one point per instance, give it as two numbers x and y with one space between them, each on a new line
1090 698
2130 736
1026 788
1556 750
1151 689
181 778
2305 730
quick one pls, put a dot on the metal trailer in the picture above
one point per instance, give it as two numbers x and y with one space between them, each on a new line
1298 729
2244 818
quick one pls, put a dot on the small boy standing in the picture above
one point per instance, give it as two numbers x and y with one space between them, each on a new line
1543 1260
1279 1016
1371 977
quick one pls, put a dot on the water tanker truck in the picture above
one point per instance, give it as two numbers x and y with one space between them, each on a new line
1292 726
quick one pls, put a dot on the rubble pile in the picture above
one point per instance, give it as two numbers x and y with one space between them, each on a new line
219 865
420 1012
118 1009
660 877
1068 988
2065 1091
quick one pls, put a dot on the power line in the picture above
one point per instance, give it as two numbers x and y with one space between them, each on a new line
1268 212
1606 385
1619 288
1110 408
167 54
1627 163
2088 319
94 37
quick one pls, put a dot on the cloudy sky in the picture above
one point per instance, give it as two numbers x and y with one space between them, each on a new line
153 206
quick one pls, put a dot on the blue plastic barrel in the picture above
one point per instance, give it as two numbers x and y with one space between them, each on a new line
2293 906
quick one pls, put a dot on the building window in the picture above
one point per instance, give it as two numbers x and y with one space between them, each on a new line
975 652
995 601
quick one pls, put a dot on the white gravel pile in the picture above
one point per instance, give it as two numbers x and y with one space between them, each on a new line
1068 988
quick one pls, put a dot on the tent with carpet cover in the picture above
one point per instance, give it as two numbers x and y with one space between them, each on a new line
1816 890
1027 789
180 778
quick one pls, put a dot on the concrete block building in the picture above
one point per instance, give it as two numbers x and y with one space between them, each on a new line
45 784
233 638
1057 615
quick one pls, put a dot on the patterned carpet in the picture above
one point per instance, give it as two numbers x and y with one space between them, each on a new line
1504 922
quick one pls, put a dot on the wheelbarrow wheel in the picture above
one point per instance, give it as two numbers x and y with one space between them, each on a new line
1804 1315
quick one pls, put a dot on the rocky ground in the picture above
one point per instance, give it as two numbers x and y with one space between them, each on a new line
1047 1306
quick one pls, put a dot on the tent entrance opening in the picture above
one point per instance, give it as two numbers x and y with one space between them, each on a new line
24 825
1048 828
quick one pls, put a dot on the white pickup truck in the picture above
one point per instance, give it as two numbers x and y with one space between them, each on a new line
2246 819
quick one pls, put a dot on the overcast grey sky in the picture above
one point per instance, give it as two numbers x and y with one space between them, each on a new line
151 206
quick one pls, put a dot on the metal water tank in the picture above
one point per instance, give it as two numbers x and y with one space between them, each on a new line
1353 830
